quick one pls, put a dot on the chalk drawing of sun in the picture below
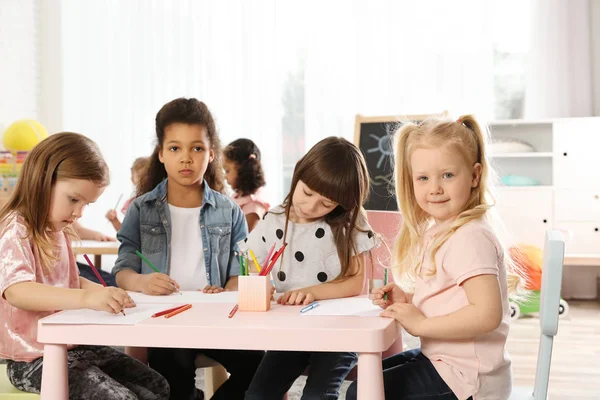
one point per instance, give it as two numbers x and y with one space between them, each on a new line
384 146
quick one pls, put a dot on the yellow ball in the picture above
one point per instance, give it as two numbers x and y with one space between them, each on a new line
23 135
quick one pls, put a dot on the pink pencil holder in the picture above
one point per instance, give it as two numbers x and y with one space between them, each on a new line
254 293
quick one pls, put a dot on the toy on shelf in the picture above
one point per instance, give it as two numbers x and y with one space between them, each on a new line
23 135
530 259
18 140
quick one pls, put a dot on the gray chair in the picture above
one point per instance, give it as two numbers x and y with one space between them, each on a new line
552 267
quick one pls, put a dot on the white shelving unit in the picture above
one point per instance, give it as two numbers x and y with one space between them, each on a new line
566 164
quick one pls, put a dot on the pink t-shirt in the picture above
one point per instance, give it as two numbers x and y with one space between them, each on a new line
127 204
479 367
21 263
254 203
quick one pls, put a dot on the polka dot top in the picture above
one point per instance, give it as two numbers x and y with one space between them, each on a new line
311 255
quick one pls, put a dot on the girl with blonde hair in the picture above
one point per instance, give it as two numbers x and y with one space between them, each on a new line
453 276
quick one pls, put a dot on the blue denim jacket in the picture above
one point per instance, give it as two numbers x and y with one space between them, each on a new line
147 227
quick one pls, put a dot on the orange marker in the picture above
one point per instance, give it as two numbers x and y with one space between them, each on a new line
179 310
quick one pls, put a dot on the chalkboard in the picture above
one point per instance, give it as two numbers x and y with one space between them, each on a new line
375 138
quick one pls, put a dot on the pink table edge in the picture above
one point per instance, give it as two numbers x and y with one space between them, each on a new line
207 326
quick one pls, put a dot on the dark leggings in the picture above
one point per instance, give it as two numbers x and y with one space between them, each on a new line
178 366
410 375
95 373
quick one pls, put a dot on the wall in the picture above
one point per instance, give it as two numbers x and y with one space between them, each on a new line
595 44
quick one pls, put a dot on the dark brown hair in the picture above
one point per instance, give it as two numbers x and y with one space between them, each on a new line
186 111
246 156
336 169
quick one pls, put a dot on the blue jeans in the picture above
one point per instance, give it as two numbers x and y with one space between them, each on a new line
86 272
279 369
410 375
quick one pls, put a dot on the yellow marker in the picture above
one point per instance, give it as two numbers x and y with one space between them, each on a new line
254 259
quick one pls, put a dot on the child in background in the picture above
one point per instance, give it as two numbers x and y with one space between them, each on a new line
323 221
451 270
38 275
186 227
138 169
244 173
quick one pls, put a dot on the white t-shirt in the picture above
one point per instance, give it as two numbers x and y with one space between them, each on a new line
311 256
186 257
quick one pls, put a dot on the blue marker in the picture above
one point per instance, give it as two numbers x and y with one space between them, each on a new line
309 307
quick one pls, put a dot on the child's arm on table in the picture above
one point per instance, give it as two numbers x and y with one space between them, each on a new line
348 286
33 296
395 295
128 267
482 315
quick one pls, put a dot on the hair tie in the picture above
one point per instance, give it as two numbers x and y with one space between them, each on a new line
459 120
252 156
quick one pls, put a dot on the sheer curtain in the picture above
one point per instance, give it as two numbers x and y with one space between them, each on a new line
560 77
283 73
124 60
388 57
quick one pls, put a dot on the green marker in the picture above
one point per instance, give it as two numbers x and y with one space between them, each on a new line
385 282
147 261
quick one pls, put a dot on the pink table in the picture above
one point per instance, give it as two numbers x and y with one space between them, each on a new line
207 326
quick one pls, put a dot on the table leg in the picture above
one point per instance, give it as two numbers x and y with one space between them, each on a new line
370 377
55 376
98 261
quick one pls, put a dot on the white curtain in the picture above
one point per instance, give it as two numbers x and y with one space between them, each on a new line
124 60
269 70
560 74
388 57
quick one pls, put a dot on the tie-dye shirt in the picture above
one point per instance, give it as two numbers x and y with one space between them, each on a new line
20 262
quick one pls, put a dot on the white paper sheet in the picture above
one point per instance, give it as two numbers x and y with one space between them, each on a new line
91 317
358 306
186 297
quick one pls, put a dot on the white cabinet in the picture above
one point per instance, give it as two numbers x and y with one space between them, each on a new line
526 213
565 164
584 236
576 153
577 205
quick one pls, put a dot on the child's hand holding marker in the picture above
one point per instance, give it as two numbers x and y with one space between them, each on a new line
157 284
110 299
392 291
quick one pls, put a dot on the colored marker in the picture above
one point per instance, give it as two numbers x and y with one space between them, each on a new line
97 274
147 261
233 310
254 260
170 310
277 254
179 310
118 201
269 256
309 307
385 282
